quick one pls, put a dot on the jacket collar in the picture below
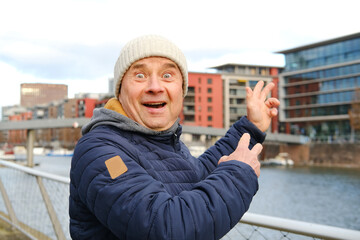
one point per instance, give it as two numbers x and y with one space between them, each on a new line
114 105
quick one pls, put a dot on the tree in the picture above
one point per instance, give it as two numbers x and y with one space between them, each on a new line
354 113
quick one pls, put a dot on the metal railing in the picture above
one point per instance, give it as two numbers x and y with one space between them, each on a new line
36 203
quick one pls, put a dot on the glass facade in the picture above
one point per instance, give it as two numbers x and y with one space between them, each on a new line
316 98
326 73
337 52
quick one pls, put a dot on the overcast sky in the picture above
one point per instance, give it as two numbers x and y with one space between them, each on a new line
76 42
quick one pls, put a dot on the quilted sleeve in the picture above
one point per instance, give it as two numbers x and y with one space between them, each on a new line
227 144
134 205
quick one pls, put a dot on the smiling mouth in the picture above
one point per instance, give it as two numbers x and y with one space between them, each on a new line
154 105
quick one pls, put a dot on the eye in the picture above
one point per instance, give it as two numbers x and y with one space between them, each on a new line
167 75
140 75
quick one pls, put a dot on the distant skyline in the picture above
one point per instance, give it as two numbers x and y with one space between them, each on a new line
76 42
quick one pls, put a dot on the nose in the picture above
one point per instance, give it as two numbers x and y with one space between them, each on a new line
154 85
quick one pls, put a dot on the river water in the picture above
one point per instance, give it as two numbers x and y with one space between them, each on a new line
322 195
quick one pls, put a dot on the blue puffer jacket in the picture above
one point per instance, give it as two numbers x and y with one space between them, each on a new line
165 192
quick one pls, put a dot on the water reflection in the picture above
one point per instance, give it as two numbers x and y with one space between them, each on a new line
328 196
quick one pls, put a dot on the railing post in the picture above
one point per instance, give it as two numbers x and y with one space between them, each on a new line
53 217
8 205
30 147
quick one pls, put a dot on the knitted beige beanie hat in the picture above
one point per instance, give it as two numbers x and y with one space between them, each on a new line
148 46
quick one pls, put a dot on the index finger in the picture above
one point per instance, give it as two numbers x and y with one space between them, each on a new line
257 148
244 141
266 90
258 87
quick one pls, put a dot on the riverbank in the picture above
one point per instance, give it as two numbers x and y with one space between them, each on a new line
344 155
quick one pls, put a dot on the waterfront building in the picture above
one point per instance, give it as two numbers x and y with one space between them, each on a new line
39 111
14 113
102 102
8 111
236 77
85 107
203 104
32 94
18 136
68 136
317 87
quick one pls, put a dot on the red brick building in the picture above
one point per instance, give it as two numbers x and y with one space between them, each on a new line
86 107
203 105
18 136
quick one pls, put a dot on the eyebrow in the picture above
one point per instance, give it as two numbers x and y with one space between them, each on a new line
170 65
137 66
142 65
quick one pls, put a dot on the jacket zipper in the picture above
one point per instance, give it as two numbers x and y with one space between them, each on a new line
174 142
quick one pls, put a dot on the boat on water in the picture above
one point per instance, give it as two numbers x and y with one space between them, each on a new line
60 153
282 159
7 152
6 156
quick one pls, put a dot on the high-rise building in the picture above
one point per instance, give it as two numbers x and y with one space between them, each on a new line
236 77
318 85
32 94
111 86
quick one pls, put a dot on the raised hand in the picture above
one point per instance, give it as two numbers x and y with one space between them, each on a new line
260 110
244 154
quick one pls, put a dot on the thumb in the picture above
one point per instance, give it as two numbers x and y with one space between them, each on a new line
222 159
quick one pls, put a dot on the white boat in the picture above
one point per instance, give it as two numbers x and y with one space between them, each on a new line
282 159
6 155
60 153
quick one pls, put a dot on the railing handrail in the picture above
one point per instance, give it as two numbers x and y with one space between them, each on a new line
79 122
276 223
35 172
300 227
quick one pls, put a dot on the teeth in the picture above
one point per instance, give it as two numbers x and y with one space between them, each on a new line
155 104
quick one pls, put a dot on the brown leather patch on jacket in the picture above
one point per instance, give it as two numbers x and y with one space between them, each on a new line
115 166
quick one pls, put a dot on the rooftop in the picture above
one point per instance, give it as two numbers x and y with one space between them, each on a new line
326 42
243 65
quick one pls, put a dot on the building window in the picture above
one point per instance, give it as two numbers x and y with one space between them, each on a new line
209 109
209 90
252 83
189 118
209 118
209 81
199 80
191 89
240 101
209 99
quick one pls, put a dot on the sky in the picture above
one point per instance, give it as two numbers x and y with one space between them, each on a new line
77 42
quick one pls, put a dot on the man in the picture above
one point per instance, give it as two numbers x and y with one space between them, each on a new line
132 177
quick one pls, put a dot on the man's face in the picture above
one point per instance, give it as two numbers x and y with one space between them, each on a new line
151 92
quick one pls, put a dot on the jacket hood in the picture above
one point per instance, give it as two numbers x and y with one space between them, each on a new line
113 114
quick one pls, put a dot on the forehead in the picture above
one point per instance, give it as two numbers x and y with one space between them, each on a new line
161 61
